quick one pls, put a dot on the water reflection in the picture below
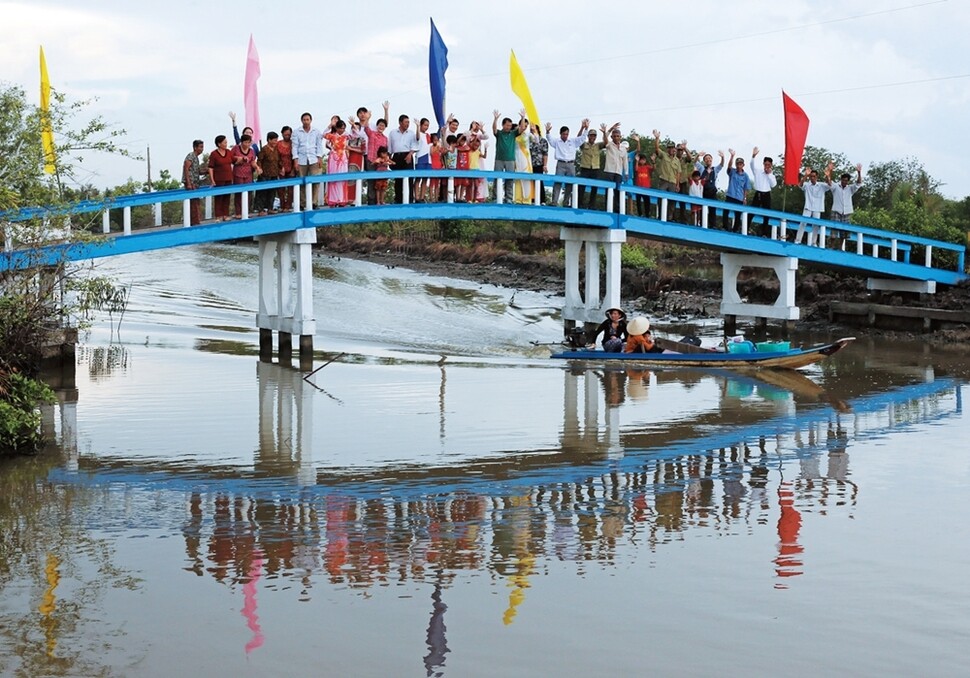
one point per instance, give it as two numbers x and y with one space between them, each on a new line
749 460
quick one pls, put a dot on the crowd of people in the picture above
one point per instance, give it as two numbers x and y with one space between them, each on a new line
358 144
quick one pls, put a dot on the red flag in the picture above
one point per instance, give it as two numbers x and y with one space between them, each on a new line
796 131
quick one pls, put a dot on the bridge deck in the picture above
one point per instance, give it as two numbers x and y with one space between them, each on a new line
871 252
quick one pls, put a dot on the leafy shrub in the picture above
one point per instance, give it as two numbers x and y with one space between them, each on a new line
19 417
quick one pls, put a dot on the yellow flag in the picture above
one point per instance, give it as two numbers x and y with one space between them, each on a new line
46 131
521 90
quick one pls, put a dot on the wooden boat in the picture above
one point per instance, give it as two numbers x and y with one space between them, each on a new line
677 354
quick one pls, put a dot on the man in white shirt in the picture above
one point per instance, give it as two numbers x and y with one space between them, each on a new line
763 180
563 150
308 147
842 194
307 144
401 144
814 204
615 163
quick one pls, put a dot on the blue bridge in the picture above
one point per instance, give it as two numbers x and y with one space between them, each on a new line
890 261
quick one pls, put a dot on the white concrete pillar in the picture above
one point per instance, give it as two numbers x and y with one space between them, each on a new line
589 308
304 283
573 298
126 220
186 213
158 213
592 276
106 221
208 207
266 281
284 295
783 308
613 271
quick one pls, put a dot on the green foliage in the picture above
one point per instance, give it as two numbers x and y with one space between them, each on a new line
634 256
32 302
19 417
99 293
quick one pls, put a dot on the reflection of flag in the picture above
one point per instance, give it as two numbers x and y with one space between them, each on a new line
46 129
250 95
437 65
796 131
521 90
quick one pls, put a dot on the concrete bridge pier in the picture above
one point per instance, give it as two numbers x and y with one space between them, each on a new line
286 295
732 305
587 306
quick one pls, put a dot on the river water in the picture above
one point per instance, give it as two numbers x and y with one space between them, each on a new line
443 500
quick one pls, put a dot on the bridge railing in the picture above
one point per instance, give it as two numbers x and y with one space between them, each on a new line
618 201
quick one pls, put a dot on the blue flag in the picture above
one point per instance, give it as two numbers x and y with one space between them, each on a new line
437 65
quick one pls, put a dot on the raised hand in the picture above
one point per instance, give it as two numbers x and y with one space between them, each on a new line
232 116
754 152
656 134
731 151
548 127
496 113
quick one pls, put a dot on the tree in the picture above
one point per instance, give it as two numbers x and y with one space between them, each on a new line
31 303
900 180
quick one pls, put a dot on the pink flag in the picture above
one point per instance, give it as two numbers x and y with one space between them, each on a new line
250 95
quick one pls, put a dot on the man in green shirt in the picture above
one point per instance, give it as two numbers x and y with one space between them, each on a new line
589 167
668 168
505 150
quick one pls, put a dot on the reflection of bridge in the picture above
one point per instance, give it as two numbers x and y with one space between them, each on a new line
604 487
592 441
285 302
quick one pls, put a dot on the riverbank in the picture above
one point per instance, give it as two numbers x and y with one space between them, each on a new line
534 263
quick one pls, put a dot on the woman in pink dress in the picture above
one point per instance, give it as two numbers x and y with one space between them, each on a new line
337 162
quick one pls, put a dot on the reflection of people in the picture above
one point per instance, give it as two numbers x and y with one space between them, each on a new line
614 387
639 339
613 330
639 384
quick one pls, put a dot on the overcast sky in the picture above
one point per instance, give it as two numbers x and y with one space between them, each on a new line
879 80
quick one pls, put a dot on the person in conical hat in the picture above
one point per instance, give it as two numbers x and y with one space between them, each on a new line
613 330
639 339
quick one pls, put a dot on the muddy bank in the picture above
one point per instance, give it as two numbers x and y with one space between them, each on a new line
534 262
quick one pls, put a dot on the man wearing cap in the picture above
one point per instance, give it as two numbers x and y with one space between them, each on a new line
687 160
589 167
737 193
764 181
668 166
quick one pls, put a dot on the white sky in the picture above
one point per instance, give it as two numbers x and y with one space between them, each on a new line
879 80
